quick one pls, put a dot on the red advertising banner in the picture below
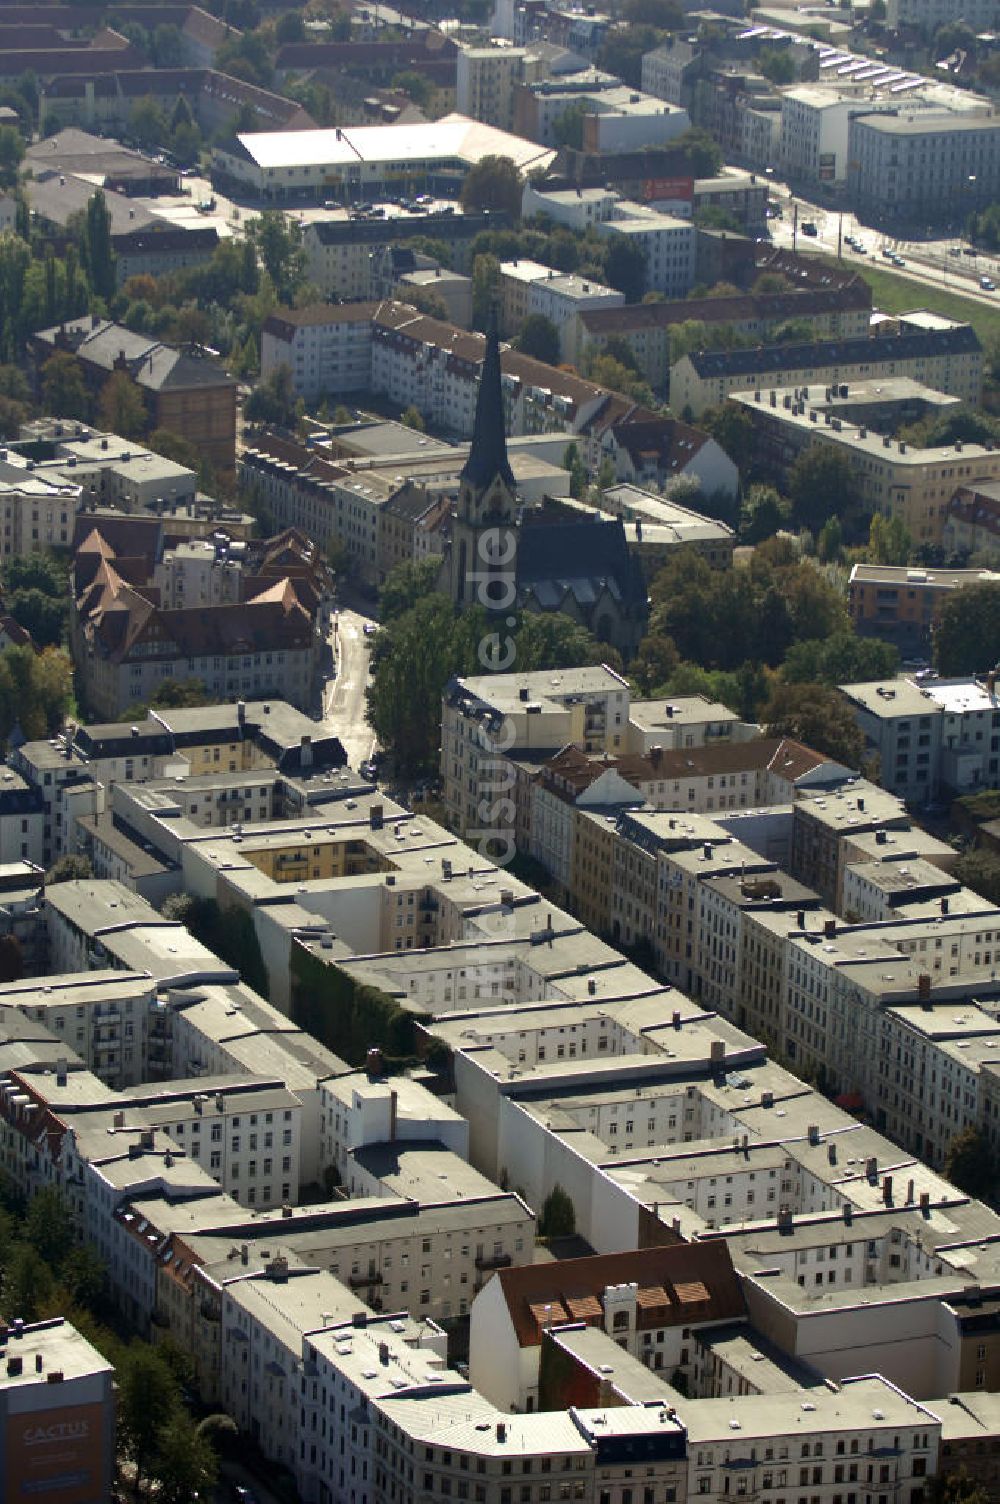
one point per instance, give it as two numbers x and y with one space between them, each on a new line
668 188
55 1455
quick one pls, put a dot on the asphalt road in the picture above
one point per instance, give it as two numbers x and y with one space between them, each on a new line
344 695
928 263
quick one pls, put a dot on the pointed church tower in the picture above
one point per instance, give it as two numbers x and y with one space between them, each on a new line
486 499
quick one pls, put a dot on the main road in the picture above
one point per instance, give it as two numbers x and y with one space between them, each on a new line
930 263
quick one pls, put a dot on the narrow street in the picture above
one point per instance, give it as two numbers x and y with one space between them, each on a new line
344 695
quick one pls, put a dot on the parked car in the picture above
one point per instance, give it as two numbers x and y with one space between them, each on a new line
809 228
987 284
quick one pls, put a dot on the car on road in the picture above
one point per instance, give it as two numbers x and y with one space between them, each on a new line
987 284
897 260
809 228
243 1495
860 248
954 250
369 771
969 250
369 629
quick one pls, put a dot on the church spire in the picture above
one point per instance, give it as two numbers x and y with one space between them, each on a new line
488 453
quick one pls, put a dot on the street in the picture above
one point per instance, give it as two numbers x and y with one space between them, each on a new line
344 695
928 262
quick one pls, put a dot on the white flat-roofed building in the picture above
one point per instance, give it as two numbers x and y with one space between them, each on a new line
923 163
529 287
930 734
666 241
867 1433
361 1109
280 165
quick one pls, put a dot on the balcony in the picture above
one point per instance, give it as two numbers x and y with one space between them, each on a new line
493 1260
372 1277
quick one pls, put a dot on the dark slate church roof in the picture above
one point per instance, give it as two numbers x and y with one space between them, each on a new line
581 559
488 453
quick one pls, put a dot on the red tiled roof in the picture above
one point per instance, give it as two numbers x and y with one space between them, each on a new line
687 1274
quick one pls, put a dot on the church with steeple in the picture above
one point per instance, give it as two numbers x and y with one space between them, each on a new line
551 557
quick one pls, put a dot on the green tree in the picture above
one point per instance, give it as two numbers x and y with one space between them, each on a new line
406 584
625 267
174 446
558 1216
290 27
96 253
167 47
762 514
44 616
177 692
819 717
184 1463
48 1227
980 871
11 154
608 372
11 959
69 869
567 128
278 239
274 400
821 485
148 1401
829 541
493 183
622 51
777 64
147 124
841 658
572 462
967 631
485 289
64 390
889 542
953 1488
539 337
418 89
413 418
27 1283
122 410
702 154
971 1164
732 429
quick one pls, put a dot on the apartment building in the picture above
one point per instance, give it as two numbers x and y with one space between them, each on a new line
643 1300
190 395
901 604
931 736
972 522
892 477
529 287
923 163
949 360
57 1407
328 352
482 717
666 241
928 15
486 79
842 312
342 249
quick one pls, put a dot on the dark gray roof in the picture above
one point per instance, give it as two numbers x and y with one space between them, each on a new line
161 238
152 365
581 559
455 226
836 352
488 451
